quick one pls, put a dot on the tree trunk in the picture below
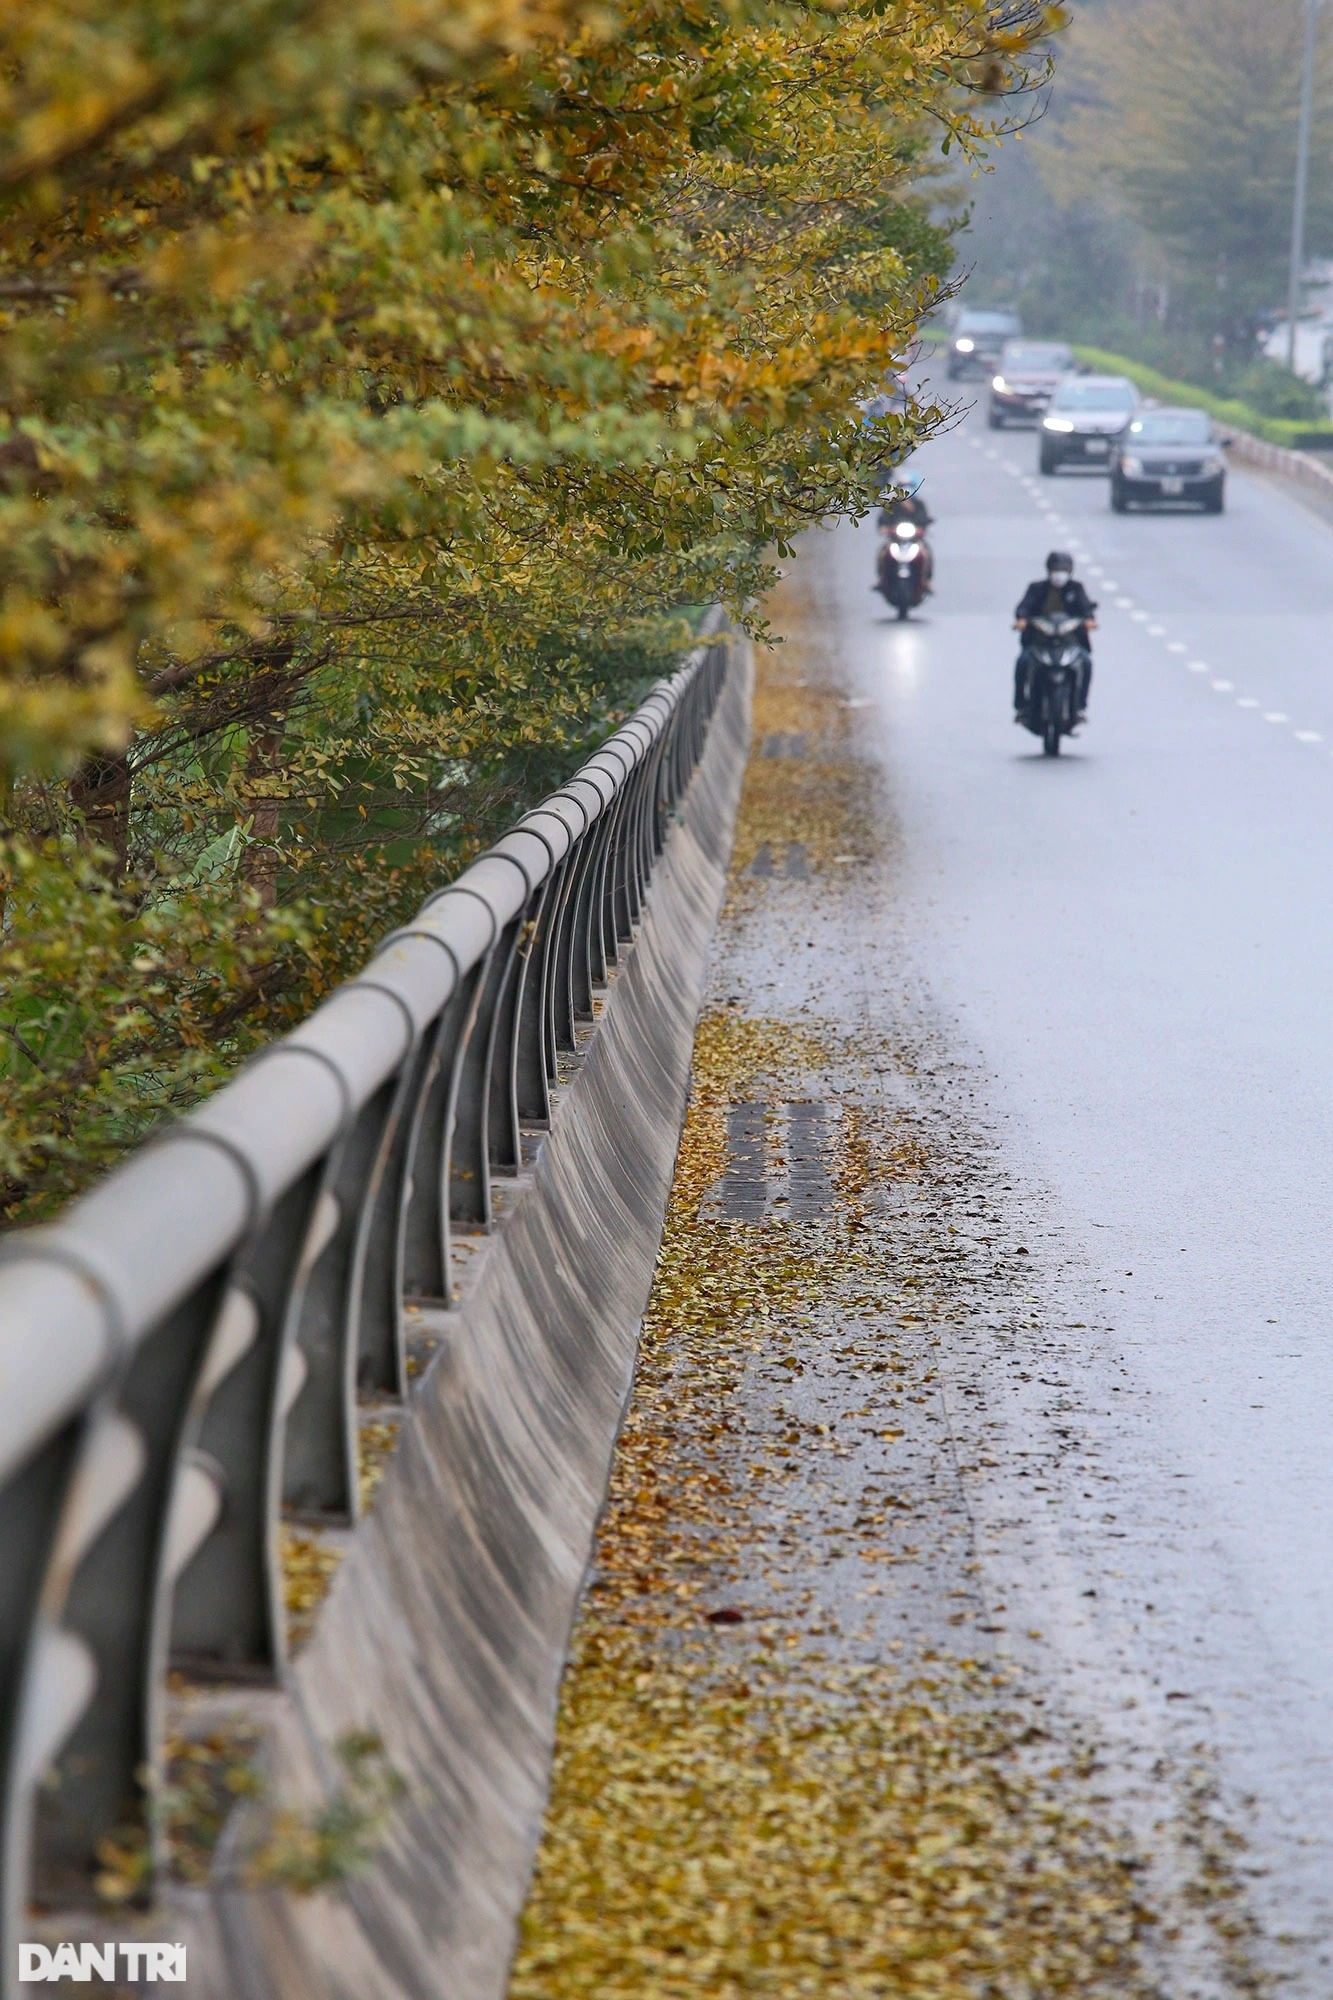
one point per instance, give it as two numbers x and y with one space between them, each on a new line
99 792
259 863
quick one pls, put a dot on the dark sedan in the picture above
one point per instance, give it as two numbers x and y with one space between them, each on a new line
1029 374
977 341
1169 455
1083 423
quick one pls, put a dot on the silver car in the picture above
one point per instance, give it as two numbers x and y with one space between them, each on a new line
1084 420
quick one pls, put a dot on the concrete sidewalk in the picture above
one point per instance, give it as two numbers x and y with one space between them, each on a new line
855 1706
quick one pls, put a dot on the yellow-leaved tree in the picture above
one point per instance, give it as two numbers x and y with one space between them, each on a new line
383 383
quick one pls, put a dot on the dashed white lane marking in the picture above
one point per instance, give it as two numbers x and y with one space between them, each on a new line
1221 687
1138 616
1275 715
1125 603
1157 631
1198 666
1307 735
1109 583
1246 701
1177 646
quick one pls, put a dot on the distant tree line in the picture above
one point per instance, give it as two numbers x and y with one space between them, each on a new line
1154 203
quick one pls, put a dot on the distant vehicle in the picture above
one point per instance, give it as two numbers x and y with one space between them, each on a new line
977 341
1029 373
1169 455
1058 657
1084 420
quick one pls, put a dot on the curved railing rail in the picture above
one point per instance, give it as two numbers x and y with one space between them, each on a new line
181 1354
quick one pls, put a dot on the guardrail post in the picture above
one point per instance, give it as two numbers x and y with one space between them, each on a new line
467 1157
135 1509
229 1618
423 1216
30 1511
532 1071
374 1303
320 1457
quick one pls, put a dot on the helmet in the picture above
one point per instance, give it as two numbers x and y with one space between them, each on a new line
1060 559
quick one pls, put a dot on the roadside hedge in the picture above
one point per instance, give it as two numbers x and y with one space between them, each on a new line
1293 435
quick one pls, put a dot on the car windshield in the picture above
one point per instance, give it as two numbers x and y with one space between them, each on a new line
1172 427
986 322
1094 396
1021 354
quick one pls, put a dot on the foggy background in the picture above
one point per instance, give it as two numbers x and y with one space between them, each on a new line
1146 208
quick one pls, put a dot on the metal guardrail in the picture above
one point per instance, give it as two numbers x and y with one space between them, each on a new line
181 1354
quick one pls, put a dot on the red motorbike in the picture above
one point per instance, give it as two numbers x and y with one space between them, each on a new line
903 569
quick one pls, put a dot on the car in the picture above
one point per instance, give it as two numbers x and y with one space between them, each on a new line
1084 420
977 340
1029 373
1169 454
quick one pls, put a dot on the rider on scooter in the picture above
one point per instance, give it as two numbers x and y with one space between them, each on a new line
1055 595
911 507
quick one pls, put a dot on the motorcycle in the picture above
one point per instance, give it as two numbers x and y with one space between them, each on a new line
1057 658
901 568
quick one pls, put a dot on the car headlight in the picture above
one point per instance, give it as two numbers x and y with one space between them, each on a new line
965 345
1133 466
1056 424
1212 466
998 382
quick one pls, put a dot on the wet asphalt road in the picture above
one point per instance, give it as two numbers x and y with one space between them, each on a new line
1136 940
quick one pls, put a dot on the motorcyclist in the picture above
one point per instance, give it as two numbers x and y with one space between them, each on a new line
1055 595
911 507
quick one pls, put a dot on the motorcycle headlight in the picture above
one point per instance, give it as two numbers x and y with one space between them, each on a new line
1133 466
1056 424
965 345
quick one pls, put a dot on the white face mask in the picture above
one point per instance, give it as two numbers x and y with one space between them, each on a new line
1060 577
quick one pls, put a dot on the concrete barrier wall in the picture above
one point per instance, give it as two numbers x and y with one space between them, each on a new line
448 1622
1303 466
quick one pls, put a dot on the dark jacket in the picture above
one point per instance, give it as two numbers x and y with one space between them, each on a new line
1074 600
910 509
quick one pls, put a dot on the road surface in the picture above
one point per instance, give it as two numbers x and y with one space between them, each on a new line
1135 945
